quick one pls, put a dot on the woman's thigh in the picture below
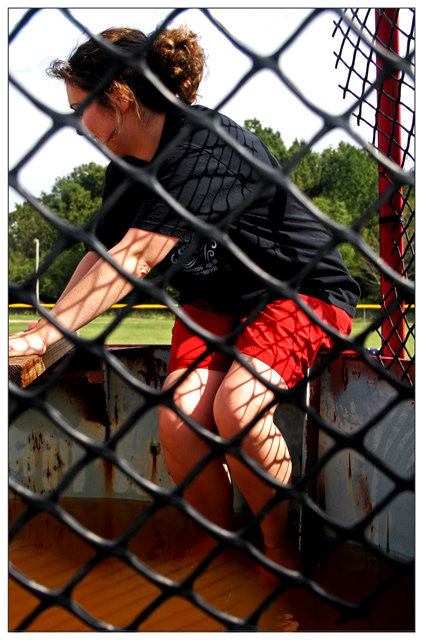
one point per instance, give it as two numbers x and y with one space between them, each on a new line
245 396
193 395
244 408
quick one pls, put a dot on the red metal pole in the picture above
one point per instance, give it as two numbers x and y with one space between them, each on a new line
389 143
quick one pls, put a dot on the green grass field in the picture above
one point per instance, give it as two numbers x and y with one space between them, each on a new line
145 328
136 329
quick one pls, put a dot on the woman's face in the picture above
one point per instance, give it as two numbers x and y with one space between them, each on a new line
137 137
99 121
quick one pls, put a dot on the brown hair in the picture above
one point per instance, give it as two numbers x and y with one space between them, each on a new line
175 57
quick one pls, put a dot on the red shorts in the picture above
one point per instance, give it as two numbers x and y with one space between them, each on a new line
282 336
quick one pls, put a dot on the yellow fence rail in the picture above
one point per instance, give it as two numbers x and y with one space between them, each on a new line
19 305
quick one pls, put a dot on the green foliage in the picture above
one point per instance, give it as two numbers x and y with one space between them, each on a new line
73 198
349 174
349 182
271 139
366 274
58 275
307 171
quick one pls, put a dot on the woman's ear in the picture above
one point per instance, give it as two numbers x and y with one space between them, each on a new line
124 104
121 98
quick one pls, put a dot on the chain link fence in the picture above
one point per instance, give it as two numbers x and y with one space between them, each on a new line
391 120
369 66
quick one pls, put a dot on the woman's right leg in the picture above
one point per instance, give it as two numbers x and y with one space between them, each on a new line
211 491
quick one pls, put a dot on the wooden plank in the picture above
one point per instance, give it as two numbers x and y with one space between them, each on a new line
25 369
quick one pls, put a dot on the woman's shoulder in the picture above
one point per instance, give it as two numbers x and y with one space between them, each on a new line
211 128
204 134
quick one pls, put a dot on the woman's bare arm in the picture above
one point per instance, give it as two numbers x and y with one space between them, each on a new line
97 289
87 262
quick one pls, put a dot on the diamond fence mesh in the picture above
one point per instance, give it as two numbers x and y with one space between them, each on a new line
371 63
391 119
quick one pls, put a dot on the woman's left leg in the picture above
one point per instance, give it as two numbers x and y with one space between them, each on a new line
279 344
210 492
239 400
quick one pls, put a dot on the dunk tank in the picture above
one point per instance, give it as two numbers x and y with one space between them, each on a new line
100 538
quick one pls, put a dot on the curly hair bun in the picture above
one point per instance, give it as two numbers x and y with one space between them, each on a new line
177 58
174 56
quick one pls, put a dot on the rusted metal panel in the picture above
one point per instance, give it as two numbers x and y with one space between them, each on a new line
140 446
351 397
97 402
289 418
40 453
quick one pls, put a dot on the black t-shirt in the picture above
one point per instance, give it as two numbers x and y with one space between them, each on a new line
219 186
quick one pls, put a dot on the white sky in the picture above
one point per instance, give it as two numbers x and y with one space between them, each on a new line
310 65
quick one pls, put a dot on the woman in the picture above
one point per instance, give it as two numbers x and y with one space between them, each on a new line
142 230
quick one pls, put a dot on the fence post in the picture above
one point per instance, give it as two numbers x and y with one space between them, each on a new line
389 143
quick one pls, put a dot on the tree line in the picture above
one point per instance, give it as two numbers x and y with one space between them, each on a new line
342 182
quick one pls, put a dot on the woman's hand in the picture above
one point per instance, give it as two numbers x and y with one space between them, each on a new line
26 343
